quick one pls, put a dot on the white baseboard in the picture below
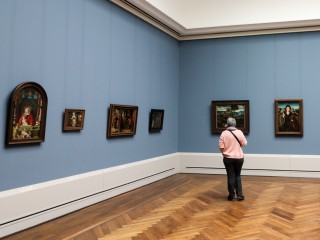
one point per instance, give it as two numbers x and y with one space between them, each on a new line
25 207
254 164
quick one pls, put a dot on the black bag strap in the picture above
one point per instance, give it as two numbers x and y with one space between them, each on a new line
234 136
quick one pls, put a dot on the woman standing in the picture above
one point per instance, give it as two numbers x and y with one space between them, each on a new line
230 143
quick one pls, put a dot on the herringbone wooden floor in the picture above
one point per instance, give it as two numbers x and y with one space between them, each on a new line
194 206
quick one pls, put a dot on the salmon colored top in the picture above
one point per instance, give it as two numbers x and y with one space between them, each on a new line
228 144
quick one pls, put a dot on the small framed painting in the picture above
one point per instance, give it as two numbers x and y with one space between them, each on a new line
122 120
27 114
73 119
288 117
222 110
156 120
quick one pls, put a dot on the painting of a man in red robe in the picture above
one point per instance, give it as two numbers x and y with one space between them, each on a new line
26 118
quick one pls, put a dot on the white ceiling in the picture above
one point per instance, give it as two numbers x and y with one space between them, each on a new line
197 19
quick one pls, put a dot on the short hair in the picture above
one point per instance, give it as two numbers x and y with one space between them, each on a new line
231 122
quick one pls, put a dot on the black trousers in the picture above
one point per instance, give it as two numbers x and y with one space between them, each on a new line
233 168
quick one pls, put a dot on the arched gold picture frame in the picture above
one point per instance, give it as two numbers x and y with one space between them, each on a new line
27 114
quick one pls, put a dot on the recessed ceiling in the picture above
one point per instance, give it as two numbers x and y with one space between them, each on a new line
199 19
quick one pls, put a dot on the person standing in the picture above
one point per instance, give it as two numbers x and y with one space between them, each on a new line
231 142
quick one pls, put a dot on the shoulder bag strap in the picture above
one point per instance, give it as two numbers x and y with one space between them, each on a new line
235 137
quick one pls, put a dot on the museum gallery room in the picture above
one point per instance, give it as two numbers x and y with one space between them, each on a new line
118 116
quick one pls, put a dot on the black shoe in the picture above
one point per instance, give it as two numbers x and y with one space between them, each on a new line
231 198
240 198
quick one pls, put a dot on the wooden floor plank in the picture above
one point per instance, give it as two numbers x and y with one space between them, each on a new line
194 206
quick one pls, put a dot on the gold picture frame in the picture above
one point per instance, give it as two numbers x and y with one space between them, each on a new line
122 120
27 114
222 110
288 117
73 119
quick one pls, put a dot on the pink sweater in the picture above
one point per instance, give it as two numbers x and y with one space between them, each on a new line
229 145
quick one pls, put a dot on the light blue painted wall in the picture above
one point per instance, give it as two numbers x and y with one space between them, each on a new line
259 69
85 54
90 53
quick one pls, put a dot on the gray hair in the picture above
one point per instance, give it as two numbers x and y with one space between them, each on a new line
231 122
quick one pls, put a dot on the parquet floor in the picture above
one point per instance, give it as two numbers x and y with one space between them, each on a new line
194 207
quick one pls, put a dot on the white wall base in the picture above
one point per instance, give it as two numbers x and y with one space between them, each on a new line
254 164
25 207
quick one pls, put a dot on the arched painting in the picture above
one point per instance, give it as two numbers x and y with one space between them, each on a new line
27 114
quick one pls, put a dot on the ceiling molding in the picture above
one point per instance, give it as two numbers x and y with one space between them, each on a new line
158 19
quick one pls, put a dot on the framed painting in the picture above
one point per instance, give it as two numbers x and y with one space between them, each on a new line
27 114
122 120
288 117
73 119
156 120
222 110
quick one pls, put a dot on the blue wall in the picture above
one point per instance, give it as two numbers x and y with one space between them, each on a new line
86 54
90 53
259 69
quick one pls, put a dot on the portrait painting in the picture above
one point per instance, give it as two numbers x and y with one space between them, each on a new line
288 117
156 120
27 114
73 119
122 120
222 110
